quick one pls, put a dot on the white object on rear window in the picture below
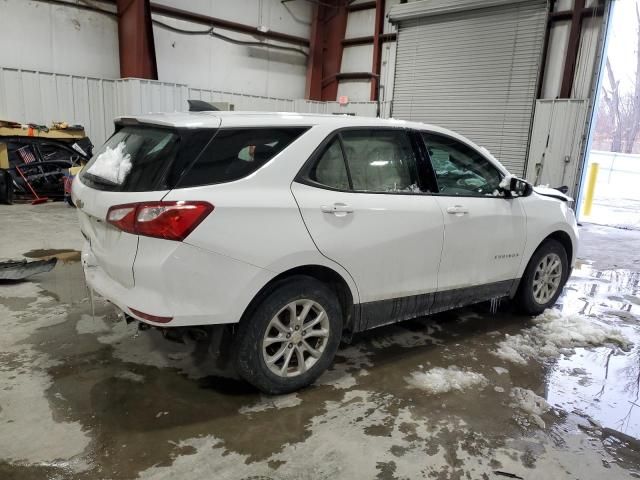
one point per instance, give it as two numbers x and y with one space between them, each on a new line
113 164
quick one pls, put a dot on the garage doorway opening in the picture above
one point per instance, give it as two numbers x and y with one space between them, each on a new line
610 190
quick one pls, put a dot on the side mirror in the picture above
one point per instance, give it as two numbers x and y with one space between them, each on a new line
518 188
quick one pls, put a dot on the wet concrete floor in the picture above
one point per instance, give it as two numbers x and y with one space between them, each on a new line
467 394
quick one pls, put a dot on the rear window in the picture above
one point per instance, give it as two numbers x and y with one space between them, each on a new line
236 153
141 158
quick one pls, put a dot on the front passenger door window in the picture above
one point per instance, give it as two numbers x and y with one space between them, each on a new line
460 170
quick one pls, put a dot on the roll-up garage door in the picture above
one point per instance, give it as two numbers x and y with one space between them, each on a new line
471 66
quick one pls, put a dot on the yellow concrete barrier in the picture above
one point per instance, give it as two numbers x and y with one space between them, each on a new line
591 187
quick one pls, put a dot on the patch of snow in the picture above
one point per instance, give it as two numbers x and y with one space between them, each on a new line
501 370
498 389
114 164
131 376
505 183
530 403
88 324
267 403
338 378
552 333
441 380
20 290
411 188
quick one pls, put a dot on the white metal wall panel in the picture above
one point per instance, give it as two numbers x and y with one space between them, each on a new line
40 97
556 142
475 72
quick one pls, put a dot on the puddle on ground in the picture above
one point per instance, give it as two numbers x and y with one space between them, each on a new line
149 404
601 383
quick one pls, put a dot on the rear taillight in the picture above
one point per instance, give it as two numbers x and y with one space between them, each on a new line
168 220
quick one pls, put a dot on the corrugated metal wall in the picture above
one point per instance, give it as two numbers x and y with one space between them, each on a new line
39 97
474 71
556 142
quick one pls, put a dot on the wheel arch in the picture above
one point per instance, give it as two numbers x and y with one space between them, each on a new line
561 237
322 273
564 239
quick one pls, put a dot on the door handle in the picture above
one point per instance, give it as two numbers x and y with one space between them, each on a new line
338 209
457 210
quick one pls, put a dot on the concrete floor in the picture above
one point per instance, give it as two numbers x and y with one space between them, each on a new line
82 397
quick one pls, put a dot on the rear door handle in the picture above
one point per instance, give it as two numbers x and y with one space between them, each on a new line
458 210
338 209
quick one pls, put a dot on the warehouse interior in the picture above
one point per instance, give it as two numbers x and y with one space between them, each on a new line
549 87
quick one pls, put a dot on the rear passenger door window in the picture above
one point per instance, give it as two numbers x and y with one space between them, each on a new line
366 160
380 161
460 170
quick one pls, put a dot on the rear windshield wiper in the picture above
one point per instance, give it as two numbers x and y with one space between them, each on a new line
100 180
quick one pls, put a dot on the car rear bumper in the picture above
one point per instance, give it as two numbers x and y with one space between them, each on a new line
175 280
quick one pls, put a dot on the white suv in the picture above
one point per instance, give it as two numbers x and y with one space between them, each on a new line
290 231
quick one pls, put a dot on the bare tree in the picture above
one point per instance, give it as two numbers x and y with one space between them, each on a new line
620 113
634 125
612 99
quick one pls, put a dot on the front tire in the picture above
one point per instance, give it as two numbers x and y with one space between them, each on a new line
290 337
543 279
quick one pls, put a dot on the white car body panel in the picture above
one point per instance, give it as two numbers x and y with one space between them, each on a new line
265 224
545 216
112 250
390 244
483 245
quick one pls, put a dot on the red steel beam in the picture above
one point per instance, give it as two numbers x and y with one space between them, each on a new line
327 32
572 49
377 50
313 85
226 24
135 40
179 14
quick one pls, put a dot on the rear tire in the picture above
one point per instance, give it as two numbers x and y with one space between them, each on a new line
543 279
279 351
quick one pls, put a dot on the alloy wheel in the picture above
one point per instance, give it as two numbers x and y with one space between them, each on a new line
547 277
295 338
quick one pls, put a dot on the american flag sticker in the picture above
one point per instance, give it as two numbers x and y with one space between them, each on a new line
68 180
26 154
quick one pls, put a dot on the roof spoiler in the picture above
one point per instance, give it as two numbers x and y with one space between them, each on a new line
201 106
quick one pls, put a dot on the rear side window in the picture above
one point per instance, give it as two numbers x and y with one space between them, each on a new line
143 158
236 153
331 169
